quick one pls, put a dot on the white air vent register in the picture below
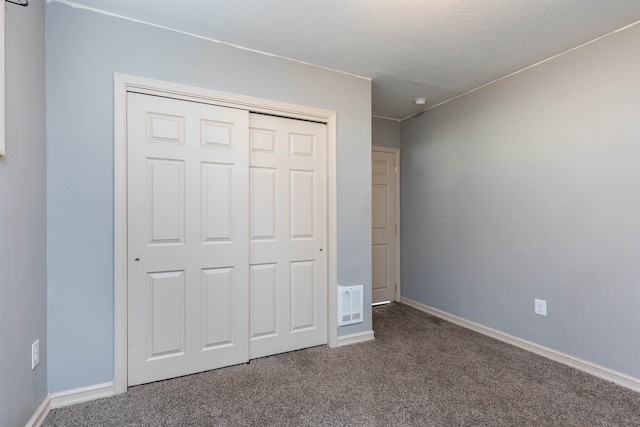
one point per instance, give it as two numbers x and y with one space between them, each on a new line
349 304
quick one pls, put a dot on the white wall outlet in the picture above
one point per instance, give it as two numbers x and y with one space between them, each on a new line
35 354
540 307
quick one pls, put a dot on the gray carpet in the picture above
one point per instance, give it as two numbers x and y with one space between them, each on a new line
420 371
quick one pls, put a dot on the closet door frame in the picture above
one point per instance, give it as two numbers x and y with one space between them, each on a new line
123 84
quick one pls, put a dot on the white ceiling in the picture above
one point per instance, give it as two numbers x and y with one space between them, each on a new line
436 49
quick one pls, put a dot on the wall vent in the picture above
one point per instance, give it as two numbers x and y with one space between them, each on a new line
350 304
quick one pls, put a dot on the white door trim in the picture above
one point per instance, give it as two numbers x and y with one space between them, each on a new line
124 83
396 202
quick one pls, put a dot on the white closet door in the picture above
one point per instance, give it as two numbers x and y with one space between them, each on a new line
188 237
287 235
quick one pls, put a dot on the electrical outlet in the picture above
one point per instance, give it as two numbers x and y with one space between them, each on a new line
35 354
540 307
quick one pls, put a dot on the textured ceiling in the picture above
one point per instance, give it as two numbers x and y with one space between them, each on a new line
436 49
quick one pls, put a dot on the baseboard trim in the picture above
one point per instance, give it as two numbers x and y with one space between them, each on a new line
41 413
355 338
558 356
83 394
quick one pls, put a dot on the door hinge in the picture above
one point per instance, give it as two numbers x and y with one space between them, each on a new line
395 229
395 169
395 287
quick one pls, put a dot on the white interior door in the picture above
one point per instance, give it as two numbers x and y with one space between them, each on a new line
187 237
384 250
288 234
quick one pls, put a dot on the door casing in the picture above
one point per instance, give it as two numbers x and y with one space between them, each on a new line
124 83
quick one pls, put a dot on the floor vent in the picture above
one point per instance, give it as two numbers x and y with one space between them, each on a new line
350 304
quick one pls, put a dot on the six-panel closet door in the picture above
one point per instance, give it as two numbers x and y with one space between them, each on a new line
226 236
288 234
187 237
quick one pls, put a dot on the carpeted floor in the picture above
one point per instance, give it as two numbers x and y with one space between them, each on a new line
420 371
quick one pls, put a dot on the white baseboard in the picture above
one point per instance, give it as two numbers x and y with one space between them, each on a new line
355 338
41 413
558 356
83 394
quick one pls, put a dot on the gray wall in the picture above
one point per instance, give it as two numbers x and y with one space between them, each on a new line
23 287
530 188
84 49
385 132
